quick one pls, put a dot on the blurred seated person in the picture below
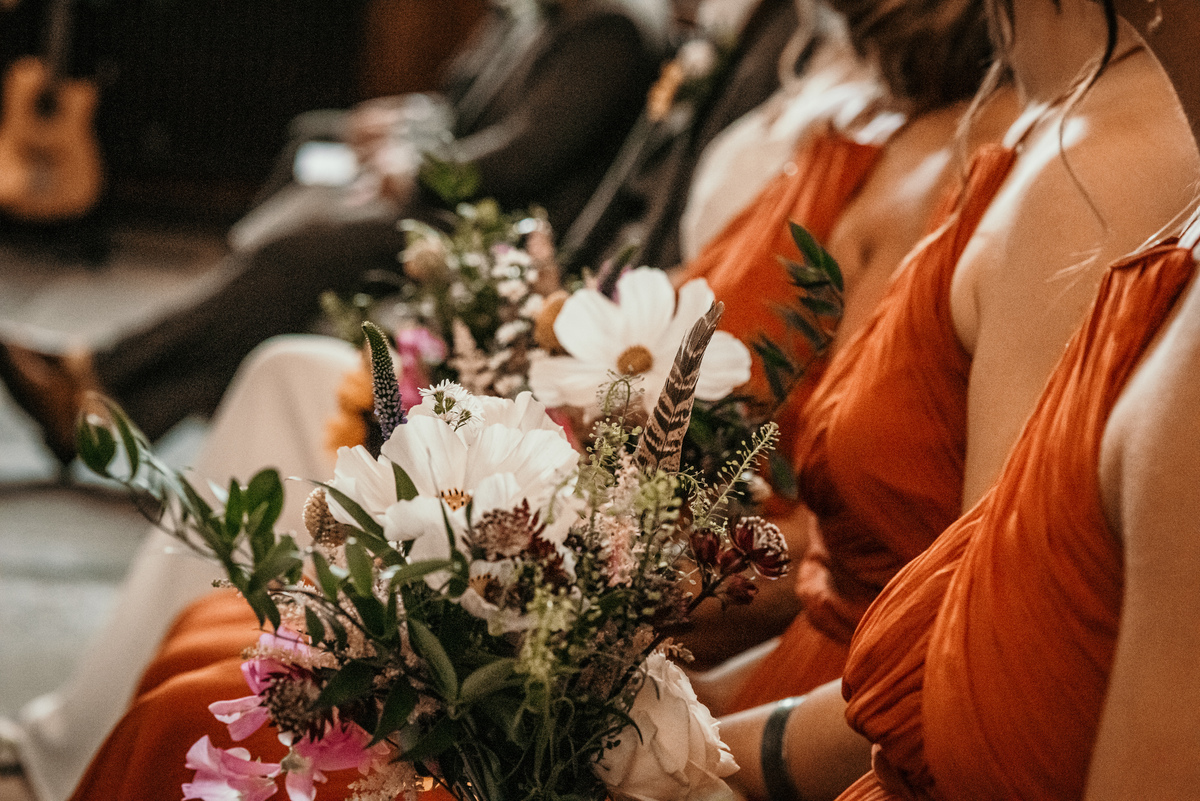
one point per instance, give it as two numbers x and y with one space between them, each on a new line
538 104
762 43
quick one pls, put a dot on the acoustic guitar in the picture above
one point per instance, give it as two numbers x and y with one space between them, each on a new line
50 166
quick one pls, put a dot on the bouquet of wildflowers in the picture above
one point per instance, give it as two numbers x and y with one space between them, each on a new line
481 606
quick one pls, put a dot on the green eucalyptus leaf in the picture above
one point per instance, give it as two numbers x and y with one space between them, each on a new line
815 336
486 680
401 701
129 439
362 568
281 559
329 583
508 714
97 447
429 648
264 607
418 571
460 569
372 532
265 492
803 275
816 255
373 615
437 740
313 625
820 307
406 490
340 637
234 510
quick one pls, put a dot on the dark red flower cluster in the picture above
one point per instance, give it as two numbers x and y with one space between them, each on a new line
753 543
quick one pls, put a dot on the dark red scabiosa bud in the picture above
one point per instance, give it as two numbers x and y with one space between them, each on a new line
705 546
731 561
763 545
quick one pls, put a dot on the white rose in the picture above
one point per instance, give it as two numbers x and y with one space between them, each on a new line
679 756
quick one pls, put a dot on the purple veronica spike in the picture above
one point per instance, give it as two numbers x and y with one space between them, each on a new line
388 409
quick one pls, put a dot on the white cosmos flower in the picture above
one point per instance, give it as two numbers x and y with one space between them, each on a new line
517 454
637 335
367 481
514 452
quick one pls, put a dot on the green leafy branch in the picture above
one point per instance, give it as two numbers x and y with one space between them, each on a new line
240 536
815 314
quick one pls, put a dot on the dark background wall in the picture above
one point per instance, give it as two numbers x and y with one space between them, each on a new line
196 94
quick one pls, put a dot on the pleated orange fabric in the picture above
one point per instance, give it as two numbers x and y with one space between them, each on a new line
742 263
881 452
981 671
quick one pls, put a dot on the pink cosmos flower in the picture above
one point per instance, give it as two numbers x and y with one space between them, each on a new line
341 747
244 716
228 775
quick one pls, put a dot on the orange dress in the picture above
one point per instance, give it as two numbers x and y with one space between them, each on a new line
981 671
199 661
880 458
742 263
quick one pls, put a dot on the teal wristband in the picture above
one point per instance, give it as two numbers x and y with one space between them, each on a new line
776 779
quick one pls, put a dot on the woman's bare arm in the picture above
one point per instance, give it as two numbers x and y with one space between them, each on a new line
1148 744
822 754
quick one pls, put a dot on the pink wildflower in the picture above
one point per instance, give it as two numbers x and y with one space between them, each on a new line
244 716
341 747
228 775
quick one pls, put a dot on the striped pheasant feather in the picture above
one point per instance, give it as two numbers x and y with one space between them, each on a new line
661 443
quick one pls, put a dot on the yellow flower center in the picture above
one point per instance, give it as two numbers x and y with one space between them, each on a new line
635 360
455 499
543 327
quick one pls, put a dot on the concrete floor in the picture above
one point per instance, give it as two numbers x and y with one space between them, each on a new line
64 548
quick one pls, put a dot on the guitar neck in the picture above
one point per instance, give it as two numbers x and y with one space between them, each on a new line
57 47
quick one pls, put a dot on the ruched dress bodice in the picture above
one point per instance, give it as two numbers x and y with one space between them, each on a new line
981 670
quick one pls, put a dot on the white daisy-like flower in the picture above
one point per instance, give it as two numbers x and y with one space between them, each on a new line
512 289
513 452
511 262
454 405
509 331
532 306
637 335
367 481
